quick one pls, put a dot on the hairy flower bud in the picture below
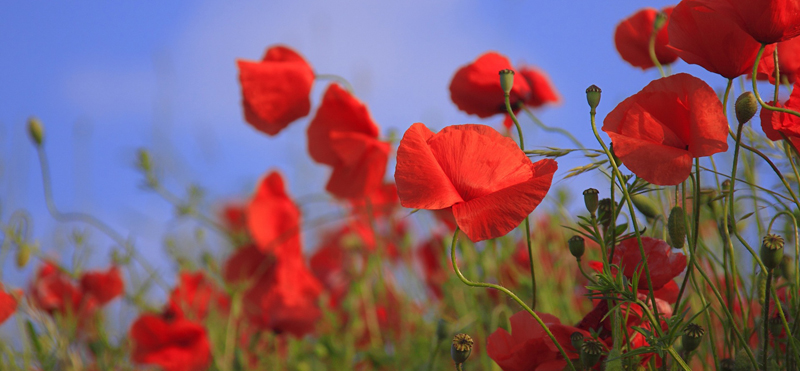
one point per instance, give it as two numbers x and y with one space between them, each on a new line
36 131
604 213
507 80
771 251
746 107
590 199
577 246
786 268
461 348
645 205
23 255
593 96
676 225
692 335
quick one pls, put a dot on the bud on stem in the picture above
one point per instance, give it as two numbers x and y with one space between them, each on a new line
36 131
507 80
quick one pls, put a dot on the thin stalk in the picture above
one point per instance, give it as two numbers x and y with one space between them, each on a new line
755 87
652 50
765 320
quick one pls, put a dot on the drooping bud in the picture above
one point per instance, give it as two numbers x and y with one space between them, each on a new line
771 251
658 23
576 339
746 107
676 225
36 131
461 348
577 246
591 350
507 80
692 335
590 199
645 205
593 96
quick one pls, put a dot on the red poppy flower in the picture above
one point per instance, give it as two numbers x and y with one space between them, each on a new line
664 264
8 304
381 202
103 286
701 34
632 39
767 21
528 347
173 343
338 255
276 90
195 295
54 292
281 294
487 180
788 61
542 90
475 88
234 216
658 131
774 123
343 136
273 219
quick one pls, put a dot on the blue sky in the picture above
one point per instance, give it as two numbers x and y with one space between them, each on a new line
109 77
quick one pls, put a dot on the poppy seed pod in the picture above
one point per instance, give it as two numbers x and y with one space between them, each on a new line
591 350
576 339
746 107
507 80
461 348
645 205
593 96
590 199
658 23
35 130
772 251
676 225
577 246
692 335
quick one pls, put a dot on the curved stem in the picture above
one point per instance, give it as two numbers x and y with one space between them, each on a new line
561 131
755 87
510 294
330 76
652 50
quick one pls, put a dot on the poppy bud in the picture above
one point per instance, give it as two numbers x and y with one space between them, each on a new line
593 96
143 160
507 80
23 255
441 330
776 326
605 212
772 251
726 185
590 199
576 246
591 350
658 23
742 362
746 107
461 348
35 130
692 335
726 364
576 339
676 225
786 269
645 205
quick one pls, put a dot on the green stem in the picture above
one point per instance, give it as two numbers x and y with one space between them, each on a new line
652 50
765 320
561 131
330 76
433 355
695 233
755 87
510 294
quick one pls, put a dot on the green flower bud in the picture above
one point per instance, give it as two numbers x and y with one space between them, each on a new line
604 213
771 251
23 255
676 225
591 350
742 362
590 199
746 107
576 339
507 80
692 335
461 348
593 96
36 131
786 269
577 246
658 23
441 330
645 205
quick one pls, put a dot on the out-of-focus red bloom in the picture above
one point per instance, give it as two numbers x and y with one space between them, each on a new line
658 131
275 91
700 33
487 180
632 39
542 90
430 256
8 304
195 295
102 286
528 347
767 21
171 342
343 136
273 219
475 88
341 252
381 202
774 123
281 293
234 216
664 264
788 61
